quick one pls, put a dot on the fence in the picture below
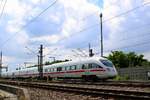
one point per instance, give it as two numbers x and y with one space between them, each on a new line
134 73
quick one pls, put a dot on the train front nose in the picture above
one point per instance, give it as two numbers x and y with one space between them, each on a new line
111 72
110 68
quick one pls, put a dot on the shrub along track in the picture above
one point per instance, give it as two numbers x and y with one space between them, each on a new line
122 90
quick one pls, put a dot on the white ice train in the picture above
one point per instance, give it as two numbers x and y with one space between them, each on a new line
87 68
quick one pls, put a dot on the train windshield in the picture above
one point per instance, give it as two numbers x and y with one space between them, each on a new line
107 63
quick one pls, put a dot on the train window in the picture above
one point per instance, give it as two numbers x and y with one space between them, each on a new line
83 66
96 66
49 70
107 63
65 68
52 69
46 70
90 66
68 67
55 69
79 66
99 66
59 69
73 67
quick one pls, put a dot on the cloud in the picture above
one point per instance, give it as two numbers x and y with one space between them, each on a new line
15 38
73 24
8 59
50 39
72 21
55 18
125 26
146 55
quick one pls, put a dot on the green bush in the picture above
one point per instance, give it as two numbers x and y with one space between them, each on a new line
117 78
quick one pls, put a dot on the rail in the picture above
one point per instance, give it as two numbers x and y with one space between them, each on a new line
85 90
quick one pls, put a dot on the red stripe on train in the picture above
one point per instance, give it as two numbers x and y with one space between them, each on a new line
75 71
94 70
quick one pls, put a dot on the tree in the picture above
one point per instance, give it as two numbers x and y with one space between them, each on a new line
118 58
131 59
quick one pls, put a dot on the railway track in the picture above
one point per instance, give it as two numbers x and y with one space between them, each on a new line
113 83
142 84
86 90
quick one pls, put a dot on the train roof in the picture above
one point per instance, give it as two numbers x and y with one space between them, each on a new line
80 60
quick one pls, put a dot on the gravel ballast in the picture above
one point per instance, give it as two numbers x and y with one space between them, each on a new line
42 94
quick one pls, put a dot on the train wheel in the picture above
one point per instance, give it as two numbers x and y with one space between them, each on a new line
94 78
91 78
84 78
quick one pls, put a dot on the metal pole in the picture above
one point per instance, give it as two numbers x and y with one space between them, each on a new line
89 49
41 61
1 63
38 63
101 35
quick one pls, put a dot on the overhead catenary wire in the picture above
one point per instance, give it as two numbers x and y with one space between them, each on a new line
140 35
33 52
77 53
31 21
134 37
1 4
95 12
125 31
133 29
116 16
82 52
94 25
50 52
128 11
139 44
75 32
126 47
129 46
124 13
3 8
30 10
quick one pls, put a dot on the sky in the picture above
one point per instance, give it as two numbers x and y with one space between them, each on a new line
66 27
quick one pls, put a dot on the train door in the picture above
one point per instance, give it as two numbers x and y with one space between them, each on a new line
86 69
